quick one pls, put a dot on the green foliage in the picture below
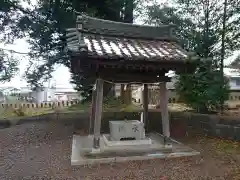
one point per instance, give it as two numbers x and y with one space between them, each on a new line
110 104
9 14
202 90
84 85
208 18
48 42
185 29
199 30
84 106
21 111
45 26
8 66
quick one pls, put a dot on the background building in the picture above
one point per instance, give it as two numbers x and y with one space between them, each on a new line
154 91
45 94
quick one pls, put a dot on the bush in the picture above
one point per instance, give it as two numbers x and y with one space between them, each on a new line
202 90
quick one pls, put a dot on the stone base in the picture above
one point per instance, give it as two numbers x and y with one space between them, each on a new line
82 152
107 140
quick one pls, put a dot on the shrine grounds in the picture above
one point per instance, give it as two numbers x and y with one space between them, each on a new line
42 149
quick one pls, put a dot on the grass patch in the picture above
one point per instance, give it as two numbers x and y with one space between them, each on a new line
78 107
11 112
117 106
108 105
217 145
226 145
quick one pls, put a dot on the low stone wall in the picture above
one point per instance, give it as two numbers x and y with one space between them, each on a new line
180 123
212 125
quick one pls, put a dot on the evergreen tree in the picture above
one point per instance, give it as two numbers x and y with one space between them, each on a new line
9 14
45 25
8 66
199 28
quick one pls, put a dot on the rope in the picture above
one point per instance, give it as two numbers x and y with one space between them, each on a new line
125 84
134 82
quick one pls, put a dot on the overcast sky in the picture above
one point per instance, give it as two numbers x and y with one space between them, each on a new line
61 76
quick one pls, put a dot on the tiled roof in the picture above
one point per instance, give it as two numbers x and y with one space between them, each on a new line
104 39
115 48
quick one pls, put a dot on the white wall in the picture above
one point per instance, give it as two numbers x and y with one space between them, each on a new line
233 85
45 95
2 97
137 94
50 94
38 96
61 97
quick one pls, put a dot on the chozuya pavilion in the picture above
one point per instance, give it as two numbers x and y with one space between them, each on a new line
125 53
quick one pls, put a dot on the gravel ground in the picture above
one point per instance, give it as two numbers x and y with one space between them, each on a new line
42 151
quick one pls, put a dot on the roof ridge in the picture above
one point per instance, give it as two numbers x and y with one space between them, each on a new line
80 18
174 40
87 24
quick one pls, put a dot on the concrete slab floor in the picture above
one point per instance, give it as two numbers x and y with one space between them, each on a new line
82 151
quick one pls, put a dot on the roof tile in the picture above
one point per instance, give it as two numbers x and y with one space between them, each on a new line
111 47
115 40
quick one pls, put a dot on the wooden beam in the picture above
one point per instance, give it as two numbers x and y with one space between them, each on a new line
92 117
156 65
164 111
134 77
136 80
151 63
145 106
118 70
98 114
146 66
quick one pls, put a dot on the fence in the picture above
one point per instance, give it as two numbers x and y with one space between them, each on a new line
41 105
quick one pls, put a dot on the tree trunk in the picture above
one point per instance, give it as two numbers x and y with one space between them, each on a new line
126 95
128 14
223 53
108 90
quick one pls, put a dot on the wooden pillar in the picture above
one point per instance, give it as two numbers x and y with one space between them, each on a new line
164 111
114 90
122 92
98 113
128 95
145 106
92 118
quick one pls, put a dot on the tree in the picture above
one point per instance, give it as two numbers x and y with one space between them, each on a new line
47 36
202 90
224 17
126 94
8 66
45 26
10 18
9 14
199 29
